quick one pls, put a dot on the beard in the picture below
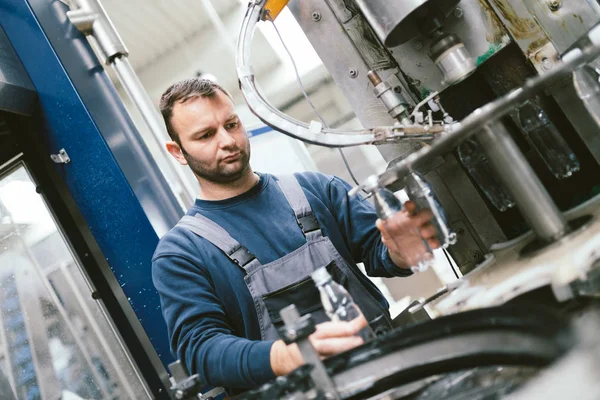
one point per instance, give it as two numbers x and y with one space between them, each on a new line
222 173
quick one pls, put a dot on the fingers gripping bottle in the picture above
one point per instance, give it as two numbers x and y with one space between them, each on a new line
422 194
337 302
416 250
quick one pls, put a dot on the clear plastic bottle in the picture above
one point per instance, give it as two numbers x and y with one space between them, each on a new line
547 141
471 155
417 252
337 302
422 194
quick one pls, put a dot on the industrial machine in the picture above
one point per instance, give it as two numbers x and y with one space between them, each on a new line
495 104
488 112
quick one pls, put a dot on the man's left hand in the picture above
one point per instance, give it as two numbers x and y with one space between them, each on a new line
403 234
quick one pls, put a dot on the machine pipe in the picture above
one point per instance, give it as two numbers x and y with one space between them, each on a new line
534 202
91 19
138 95
400 21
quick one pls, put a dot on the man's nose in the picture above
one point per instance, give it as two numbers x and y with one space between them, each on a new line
225 138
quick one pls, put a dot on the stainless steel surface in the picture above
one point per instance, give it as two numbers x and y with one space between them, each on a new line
566 24
315 132
473 211
525 31
338 52
393 101
140 98
492 112
467 215
506 273
578 98
479 29
542 33
532 199
582 115
456 64
397 22
17 93
365 40
484 36
90 18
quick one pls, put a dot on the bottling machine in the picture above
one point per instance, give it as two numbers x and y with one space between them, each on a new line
487 112
493 105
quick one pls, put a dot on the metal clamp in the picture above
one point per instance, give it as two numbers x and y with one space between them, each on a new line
185 387
61 158
90 18
297 329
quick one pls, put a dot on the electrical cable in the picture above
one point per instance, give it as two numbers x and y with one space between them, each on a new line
307 97
450 263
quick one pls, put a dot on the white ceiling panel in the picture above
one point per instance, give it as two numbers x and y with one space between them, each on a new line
151 28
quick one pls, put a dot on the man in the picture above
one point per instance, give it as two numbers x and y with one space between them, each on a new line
248 245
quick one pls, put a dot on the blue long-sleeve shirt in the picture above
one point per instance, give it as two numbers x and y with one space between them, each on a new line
212 323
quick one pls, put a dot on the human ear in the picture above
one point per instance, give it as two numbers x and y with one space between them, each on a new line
175 150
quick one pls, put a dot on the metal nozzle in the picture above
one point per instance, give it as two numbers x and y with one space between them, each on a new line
374 78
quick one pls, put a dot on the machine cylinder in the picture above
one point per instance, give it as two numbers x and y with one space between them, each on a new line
532 199
396 22
452 58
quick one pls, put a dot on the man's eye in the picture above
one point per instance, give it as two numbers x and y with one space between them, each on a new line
232 125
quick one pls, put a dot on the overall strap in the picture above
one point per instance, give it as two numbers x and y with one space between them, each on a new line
299 203
219 237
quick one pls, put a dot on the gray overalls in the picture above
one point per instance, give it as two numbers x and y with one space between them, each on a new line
282 282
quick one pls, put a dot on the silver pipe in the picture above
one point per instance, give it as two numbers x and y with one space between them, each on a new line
534 202
90 18
138 95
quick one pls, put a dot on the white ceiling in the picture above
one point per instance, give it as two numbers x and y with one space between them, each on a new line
170 40
152 28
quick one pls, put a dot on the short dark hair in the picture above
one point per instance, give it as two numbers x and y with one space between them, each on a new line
182 91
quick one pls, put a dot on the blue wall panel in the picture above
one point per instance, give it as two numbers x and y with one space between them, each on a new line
67 85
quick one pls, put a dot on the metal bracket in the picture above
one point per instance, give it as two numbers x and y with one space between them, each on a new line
90 18
545 58
297 329
61 158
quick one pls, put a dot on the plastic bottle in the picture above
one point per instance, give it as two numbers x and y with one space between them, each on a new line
422 194
471 155
418 253
545 138
337 302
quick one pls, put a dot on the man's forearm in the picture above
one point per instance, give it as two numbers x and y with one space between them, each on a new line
284 358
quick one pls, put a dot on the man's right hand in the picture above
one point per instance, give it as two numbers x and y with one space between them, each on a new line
329 339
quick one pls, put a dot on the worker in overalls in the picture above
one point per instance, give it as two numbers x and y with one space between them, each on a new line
248 245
